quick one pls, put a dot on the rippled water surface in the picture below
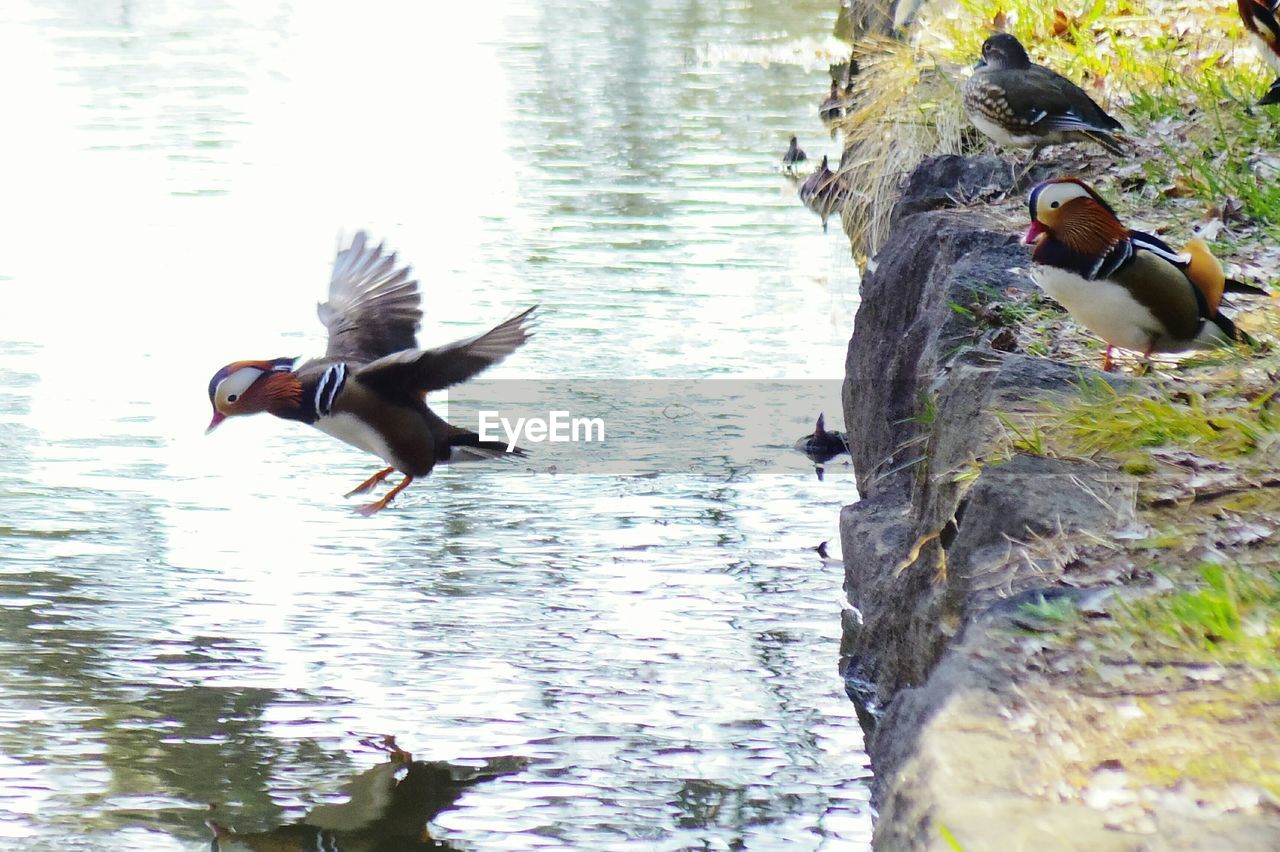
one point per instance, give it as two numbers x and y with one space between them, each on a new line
188 620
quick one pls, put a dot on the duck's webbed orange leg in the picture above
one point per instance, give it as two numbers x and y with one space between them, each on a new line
379 505
1107 364
368 484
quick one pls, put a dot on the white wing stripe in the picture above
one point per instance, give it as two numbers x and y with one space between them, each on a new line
328 387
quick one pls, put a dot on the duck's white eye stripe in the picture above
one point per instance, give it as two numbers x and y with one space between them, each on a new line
328 388
234 385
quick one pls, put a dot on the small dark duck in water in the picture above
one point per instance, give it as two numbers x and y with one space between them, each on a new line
832 106
795 154
825 556
822 446
824 192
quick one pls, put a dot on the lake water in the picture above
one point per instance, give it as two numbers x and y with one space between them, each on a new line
187 620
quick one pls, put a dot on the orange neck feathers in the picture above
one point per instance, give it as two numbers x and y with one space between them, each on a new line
1088 228
273 393
281 390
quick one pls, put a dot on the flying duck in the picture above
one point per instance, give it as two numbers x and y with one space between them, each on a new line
369 389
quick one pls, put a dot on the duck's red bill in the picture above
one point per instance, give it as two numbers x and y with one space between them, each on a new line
218 417
1034 232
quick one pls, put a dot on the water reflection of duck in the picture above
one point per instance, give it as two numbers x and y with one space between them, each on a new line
388 808
822 446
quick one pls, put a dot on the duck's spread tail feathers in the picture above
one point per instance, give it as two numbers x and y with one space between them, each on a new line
465 445
1231 330
1234 286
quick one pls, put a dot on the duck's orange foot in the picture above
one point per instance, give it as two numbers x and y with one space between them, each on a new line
1107 364
370 483
378 505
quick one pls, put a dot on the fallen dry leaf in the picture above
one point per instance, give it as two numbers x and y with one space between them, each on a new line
1061 25
1180 188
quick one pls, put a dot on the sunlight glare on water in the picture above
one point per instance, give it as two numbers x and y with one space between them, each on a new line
187 620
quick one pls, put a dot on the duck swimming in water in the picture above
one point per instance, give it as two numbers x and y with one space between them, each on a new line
832 106
822 446
795 154
824 192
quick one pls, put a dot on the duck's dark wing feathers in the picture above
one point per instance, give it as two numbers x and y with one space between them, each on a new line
418 371
1046 99
373 308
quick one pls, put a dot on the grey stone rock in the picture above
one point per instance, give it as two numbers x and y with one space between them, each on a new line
935 553
950 180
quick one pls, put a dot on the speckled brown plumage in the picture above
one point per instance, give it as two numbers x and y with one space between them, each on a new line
1023 105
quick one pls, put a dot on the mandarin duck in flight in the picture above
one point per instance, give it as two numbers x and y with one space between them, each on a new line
1019 104
1129 288
1262 20
369 390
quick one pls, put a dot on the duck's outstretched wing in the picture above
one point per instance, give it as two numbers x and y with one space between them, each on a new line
418 371
373 308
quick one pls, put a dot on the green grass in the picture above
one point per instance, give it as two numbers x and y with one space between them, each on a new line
1218 154
1234 616
1187 94
1061 610
949 838
926 409
1216 422
1024 436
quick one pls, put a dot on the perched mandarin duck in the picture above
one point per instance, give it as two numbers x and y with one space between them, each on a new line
1023 105
795 154
1127 287
832 106
369 389
1262 20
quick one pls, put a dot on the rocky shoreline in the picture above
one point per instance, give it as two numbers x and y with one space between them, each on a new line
1005 705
